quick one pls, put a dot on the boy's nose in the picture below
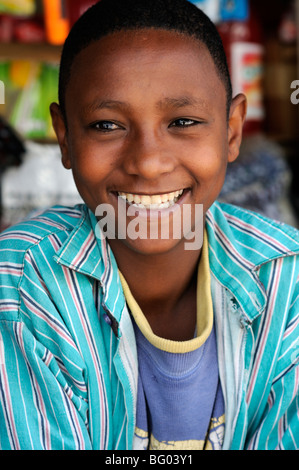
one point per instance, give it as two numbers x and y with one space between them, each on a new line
149 157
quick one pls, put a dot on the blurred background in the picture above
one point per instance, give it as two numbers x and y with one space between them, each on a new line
261 42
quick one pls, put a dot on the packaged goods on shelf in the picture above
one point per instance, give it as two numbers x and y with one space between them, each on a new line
30 87
223 10
60 15
18 7
243 40
210 7
231 10
21 29
56 21
76 8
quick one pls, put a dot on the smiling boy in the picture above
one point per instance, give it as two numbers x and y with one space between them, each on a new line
112 342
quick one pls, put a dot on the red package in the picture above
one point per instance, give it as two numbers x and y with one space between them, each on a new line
6 28
29 31
76 8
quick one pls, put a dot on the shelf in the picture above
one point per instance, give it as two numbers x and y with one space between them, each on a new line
41 52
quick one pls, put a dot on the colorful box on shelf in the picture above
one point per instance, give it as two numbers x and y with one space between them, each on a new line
234 10
30 87
18 7
224 10
210 7
60 15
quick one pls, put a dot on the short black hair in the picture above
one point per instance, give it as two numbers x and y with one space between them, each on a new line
109 16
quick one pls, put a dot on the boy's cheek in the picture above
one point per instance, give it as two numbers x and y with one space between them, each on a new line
210 162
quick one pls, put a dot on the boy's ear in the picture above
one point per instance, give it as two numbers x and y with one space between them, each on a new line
237 117
60 129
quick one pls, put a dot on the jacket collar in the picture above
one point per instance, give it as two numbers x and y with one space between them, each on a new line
86 251
240 242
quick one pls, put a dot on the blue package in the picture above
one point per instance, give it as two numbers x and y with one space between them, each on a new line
209 7
234 10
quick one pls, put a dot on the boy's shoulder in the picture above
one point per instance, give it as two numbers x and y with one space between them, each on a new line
251 234
57 220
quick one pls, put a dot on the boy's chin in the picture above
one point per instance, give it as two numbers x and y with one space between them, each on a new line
151 247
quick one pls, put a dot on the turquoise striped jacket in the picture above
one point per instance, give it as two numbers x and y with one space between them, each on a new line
68 362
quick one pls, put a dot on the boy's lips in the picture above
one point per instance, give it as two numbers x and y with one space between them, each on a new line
154 201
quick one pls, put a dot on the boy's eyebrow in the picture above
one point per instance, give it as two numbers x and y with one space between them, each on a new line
174 103
181 102
102 104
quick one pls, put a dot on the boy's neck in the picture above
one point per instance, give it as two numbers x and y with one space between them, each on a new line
164 286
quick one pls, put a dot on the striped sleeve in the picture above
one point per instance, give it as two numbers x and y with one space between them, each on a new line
43 403
279 422
37 407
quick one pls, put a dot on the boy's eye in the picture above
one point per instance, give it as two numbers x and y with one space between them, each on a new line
184 122
105 126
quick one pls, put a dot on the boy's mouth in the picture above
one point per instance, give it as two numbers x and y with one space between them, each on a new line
156 201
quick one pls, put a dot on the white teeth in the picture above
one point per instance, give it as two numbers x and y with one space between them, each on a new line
163 201
158 199
129 197
145 200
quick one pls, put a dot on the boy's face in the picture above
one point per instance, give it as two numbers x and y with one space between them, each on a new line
146 116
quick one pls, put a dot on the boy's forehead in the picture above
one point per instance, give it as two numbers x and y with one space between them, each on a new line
120 45
144 51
